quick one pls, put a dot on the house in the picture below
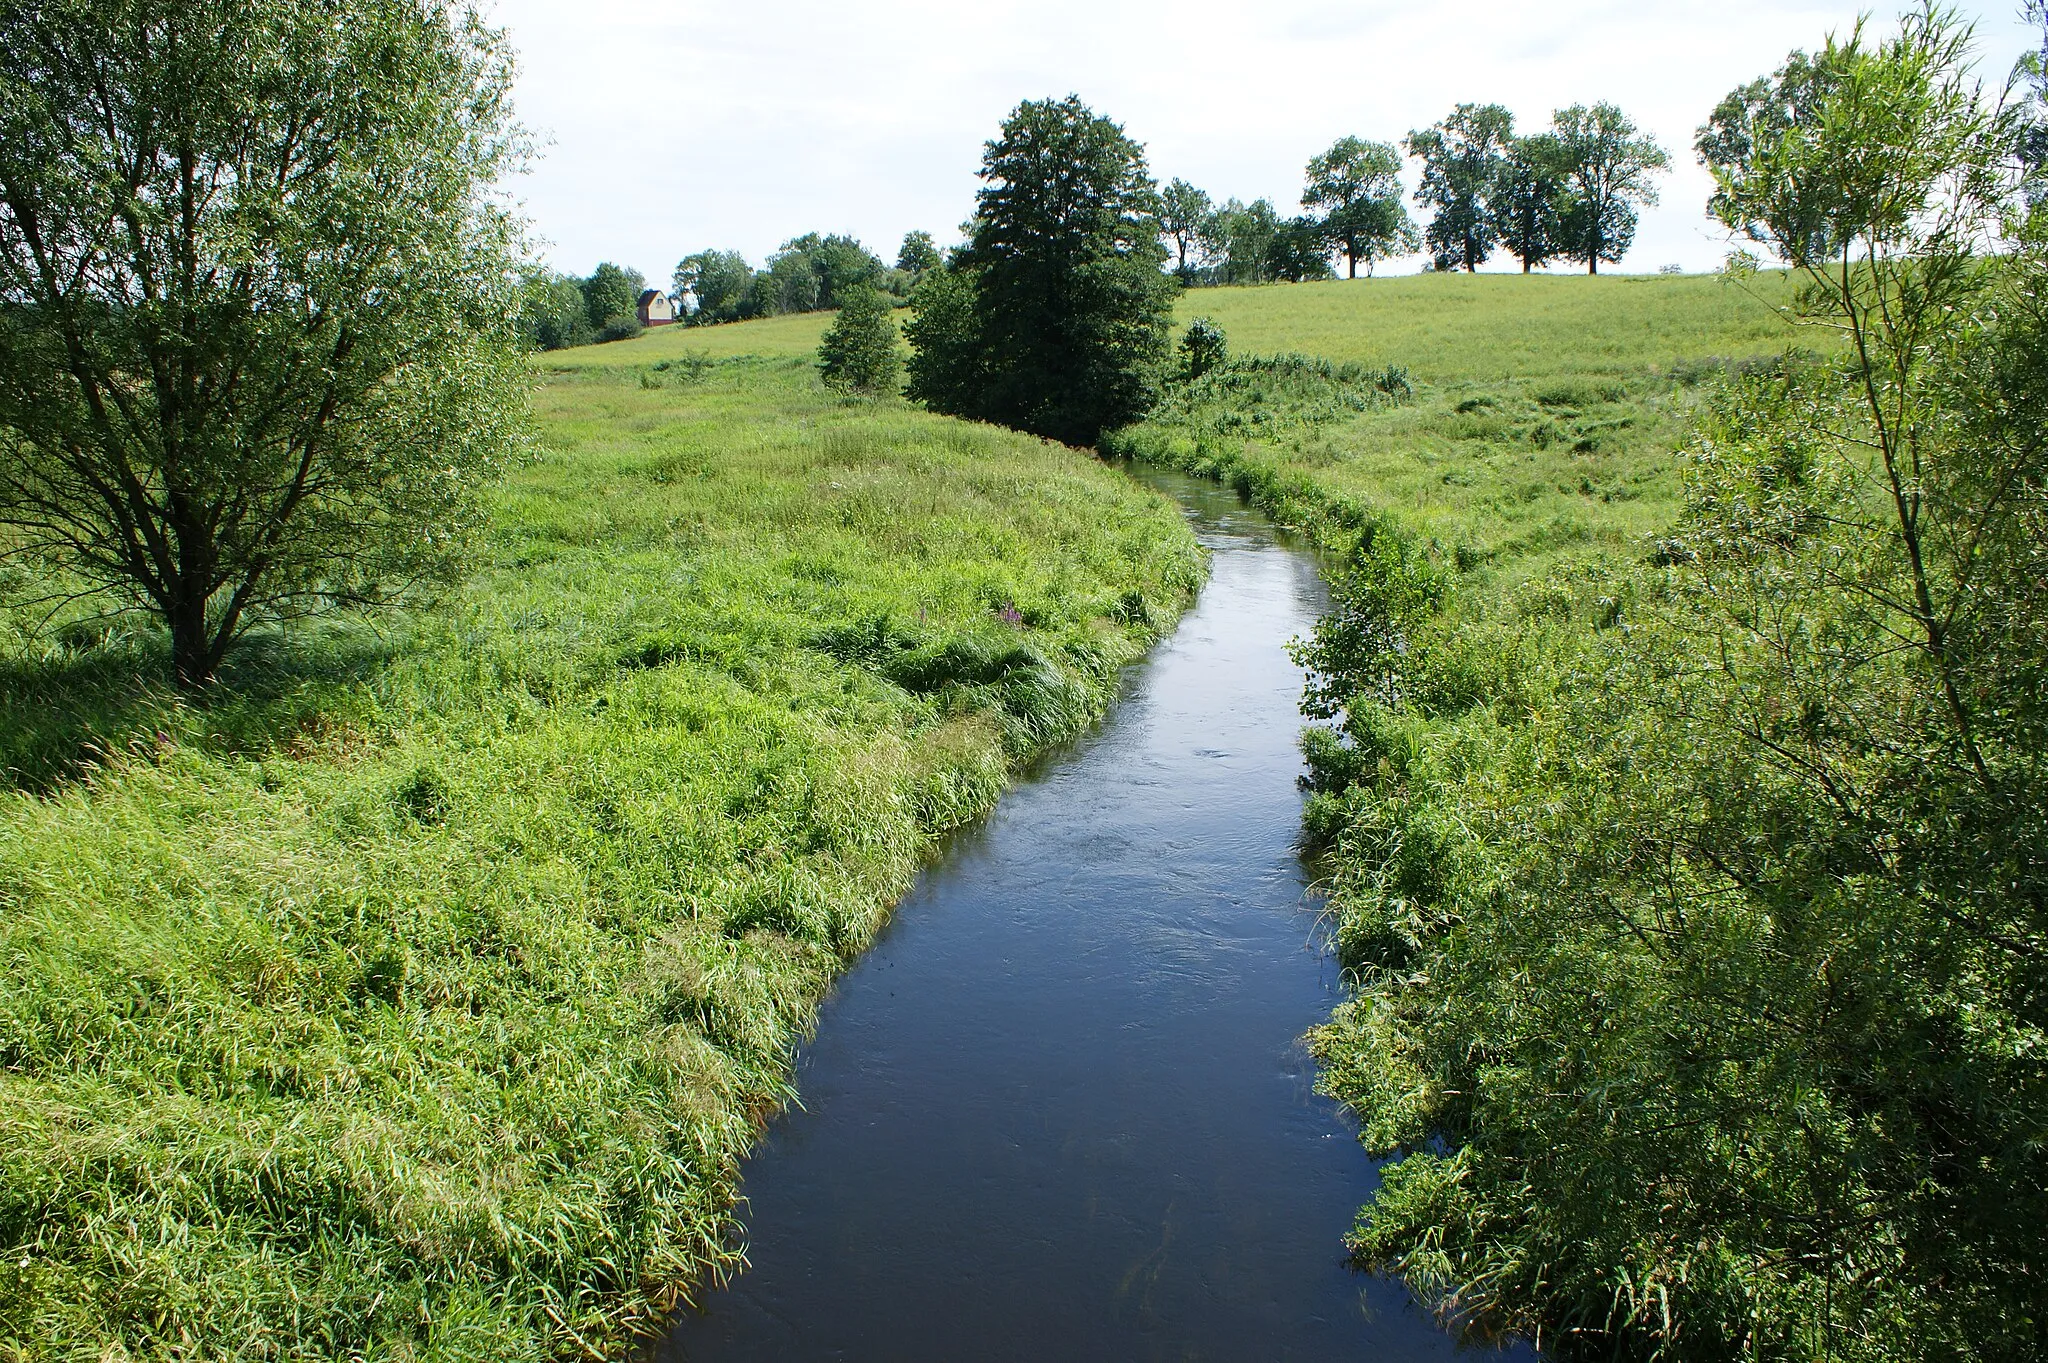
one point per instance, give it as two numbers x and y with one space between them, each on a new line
655 309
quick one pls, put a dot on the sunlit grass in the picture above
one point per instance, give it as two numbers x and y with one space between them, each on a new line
416 996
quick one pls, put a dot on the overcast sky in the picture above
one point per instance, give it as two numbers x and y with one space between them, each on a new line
676 126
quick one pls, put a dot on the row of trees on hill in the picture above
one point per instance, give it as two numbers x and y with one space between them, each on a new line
1570 193
811 273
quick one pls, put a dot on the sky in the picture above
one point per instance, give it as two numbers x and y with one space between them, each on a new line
673 126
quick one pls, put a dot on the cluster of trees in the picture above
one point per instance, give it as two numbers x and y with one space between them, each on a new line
808 274
1053 316
1571 193
1353 197
560 310
1698 907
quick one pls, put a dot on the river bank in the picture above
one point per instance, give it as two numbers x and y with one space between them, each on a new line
417 994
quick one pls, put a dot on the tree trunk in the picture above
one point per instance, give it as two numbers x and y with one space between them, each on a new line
1525 264
1592 265
192 659
1352 261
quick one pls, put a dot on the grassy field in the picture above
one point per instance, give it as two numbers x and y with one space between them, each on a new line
1543 414
416 996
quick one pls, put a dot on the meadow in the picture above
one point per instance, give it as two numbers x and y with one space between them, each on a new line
416 994
1540 415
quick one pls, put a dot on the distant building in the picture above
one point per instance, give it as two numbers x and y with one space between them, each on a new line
655 309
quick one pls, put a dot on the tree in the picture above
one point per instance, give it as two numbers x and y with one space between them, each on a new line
1462 160
722 283
1607 170
1239 237
1299 252
257 302
918 254
1526 202
611 293
1357 185
1184 212
947 370
789 284
1762 112
859 352
553 316
1069 308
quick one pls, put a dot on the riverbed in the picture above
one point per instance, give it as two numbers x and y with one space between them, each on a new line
1061 1109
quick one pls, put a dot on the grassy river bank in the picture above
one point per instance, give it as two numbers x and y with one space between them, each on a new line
417 994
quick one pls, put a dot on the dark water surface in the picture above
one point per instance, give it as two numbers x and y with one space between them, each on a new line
1061 1110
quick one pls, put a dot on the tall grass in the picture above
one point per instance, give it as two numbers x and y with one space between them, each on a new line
416 995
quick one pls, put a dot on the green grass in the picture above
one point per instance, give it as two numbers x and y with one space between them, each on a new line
1545 414
787 337
417 996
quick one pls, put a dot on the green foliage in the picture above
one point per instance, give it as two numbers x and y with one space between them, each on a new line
1299 252
1357 185
1528 198
279 384
612 292
1054 317
722 283
947 369
1606 170
1462 160
918 254
1202 348
859 353
418 993
1184 213
1689 894
1239 238
553 316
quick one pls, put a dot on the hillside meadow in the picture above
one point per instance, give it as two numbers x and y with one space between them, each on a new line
1534 419
417 992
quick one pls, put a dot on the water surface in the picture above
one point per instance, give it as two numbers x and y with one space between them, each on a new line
1061 1110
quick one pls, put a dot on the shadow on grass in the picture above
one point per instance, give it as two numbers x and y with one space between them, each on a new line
67 712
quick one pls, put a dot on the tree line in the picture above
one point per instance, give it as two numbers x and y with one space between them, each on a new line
1572 192
810 273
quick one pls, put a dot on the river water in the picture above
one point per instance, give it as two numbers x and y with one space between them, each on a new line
1061 1111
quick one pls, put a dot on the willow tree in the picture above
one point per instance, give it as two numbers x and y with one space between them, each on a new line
257 302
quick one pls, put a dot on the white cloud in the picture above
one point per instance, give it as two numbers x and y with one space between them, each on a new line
686 125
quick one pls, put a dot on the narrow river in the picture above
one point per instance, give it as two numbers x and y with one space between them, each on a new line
1061 1110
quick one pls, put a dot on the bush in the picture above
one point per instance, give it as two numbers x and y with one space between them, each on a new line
620 327
1203 348
859 352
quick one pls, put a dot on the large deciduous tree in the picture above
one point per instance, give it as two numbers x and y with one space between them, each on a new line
1526 202
1462 159
721 282
612 294
1066 303
1607 173
1356 185
258 302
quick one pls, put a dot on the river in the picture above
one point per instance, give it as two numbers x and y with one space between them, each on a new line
1061 1111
